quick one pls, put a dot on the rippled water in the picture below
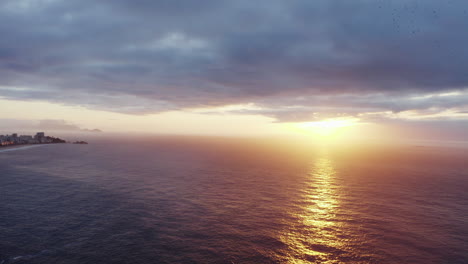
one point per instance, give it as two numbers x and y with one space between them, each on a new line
179 200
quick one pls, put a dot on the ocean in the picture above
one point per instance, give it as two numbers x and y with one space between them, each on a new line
213 200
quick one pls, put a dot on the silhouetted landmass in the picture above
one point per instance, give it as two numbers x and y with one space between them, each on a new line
56 140
39 138
80 142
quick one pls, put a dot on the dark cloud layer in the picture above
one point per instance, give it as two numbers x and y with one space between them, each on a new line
145 56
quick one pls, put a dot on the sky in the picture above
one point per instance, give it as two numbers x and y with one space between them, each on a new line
393 68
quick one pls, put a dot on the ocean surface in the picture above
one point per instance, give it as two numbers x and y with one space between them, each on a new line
200 200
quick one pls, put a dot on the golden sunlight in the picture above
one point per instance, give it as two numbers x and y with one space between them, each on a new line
317 234
329 127
325 130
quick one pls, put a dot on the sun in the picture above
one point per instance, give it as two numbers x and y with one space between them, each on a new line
325 130
328 127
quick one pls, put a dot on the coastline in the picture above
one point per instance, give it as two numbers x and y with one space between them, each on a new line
19 147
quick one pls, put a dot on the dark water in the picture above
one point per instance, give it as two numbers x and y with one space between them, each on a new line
175 200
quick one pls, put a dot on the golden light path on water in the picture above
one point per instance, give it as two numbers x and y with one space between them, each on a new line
316 236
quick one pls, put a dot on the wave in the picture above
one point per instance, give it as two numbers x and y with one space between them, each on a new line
26 257
44 252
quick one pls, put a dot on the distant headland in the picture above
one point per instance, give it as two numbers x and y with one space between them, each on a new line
39 138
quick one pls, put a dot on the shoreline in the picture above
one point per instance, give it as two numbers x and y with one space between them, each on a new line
27 145
19 147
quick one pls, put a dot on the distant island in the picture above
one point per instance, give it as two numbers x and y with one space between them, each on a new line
80 142
39 138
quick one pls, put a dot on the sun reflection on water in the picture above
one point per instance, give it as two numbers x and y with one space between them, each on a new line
316 236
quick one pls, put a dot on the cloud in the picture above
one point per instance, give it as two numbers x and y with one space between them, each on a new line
7 125
367 107
144 56
61 125
92 130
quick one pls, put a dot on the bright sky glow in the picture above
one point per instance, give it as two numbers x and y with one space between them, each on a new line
328 128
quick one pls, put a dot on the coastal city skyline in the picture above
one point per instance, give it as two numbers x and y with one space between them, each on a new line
14 139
